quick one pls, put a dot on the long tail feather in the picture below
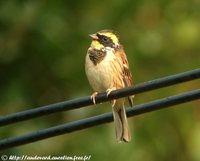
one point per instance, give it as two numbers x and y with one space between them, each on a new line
121 124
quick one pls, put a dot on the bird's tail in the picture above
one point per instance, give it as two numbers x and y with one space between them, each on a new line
121 124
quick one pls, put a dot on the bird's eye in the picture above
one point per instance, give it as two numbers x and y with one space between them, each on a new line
105 39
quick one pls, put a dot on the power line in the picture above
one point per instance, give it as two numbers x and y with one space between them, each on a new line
85 101
97 120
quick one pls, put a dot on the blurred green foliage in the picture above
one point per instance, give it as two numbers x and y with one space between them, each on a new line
42 52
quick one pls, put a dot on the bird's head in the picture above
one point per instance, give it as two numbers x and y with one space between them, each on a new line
104 39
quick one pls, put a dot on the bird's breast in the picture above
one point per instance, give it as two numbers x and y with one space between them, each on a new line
101 75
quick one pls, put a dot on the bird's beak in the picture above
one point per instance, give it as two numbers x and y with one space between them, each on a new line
93 36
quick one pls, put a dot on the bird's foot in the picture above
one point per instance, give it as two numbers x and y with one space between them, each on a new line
93 96
108 91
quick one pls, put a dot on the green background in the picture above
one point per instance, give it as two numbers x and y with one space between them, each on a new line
43 44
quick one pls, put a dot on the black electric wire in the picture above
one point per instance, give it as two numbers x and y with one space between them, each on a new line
97 120
85 101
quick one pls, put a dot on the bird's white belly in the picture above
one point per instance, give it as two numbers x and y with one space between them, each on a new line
101 75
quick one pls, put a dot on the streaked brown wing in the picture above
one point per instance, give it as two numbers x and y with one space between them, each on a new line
127 76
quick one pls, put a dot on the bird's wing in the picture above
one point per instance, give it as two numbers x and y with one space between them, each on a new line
126 73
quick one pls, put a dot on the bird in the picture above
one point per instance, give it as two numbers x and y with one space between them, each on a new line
107 69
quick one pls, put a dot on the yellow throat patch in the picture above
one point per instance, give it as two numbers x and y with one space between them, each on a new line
96 45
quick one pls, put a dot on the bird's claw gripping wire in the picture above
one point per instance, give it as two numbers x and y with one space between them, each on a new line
93 96
108 91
